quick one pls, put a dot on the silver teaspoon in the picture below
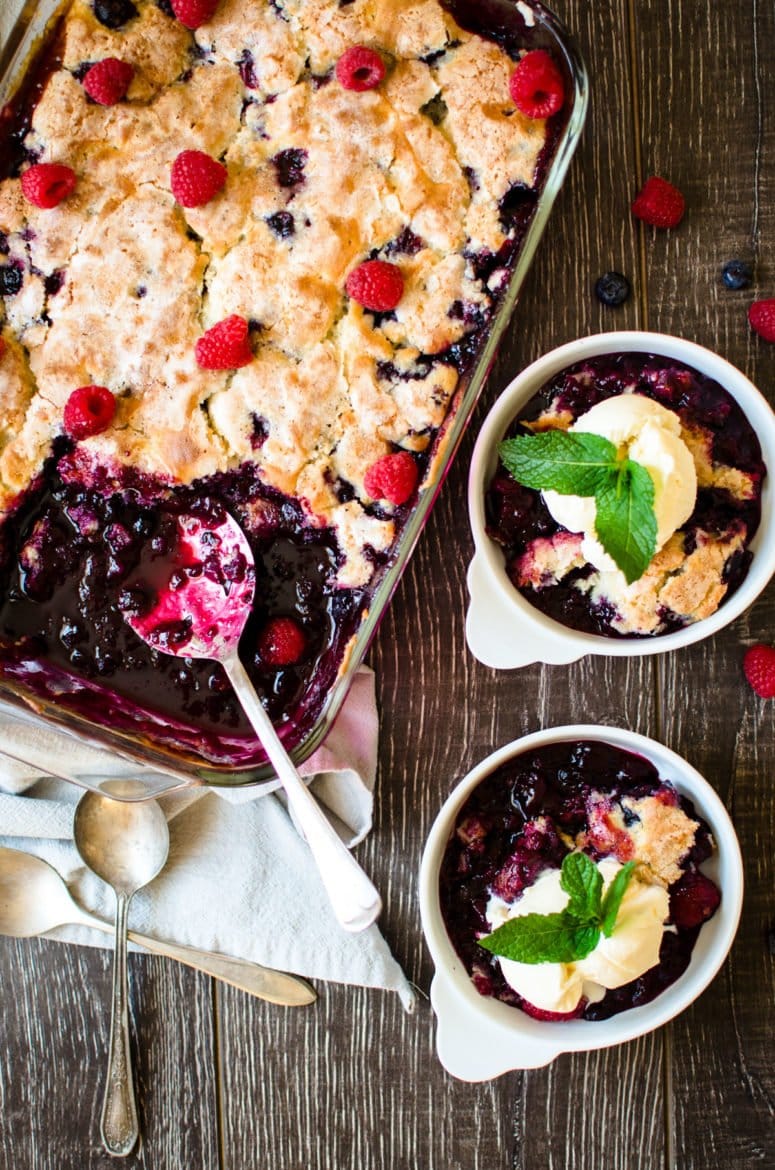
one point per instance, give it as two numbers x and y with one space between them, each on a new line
203 596
34 899
126 844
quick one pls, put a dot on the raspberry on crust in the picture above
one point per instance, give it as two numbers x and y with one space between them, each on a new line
195 178
89 410
536 85
47 184
226 346
376 284
360 68
392 477
192 13
107 81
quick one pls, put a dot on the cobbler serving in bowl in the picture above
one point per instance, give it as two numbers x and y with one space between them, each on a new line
578 888
619 500
251 254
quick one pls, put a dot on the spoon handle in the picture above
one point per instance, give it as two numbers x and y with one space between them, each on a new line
354 899
274 986
118 1125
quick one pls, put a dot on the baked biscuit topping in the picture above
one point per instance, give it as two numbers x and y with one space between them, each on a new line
120 281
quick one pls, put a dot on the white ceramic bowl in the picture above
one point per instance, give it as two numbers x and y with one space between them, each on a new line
479 1037
502 628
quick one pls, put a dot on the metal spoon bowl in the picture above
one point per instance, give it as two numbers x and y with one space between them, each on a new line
200 610
125 844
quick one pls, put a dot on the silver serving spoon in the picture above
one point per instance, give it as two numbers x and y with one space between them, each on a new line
204 596
126 844
34 899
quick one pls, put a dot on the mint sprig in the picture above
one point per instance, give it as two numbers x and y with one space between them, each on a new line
574 463
574 932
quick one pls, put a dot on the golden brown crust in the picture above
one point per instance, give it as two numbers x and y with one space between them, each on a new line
142 278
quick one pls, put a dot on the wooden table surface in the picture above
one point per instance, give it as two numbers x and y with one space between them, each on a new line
684 89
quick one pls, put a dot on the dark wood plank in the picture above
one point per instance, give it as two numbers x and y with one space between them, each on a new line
708 123
55 1024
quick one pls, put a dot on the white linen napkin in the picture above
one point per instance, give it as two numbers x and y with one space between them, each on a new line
239 878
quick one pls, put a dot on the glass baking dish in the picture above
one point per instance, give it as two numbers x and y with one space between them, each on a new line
535 27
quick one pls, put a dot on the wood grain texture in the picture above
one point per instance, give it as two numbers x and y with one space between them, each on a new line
681 88
55 1026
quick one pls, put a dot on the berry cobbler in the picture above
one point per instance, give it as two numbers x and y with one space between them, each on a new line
507 857
705 465
249 252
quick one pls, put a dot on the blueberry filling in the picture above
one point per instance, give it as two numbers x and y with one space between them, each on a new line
82 560
247 70
289 166
282 224
517 823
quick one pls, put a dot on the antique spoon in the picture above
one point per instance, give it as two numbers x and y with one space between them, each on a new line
34 899
126 844
202 599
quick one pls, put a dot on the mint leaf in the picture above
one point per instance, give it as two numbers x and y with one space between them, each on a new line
583 883
613 898
569 462
625 522
542 938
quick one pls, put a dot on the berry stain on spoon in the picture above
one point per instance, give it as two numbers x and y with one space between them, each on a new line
195 601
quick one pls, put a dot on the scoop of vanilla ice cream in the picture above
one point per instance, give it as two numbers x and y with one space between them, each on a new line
632 948
554 987
650 434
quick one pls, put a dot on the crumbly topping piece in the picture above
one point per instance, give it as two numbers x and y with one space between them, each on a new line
651 829
548 559
662 835
120 281
738 483
157 47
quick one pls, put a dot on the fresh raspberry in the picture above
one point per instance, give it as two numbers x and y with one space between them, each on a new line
192 13
88 411
693 900
196 177
536 85
360 68
108 80
392 478
47 184
226 346
761 316
376 284
659 203
759 667
281 642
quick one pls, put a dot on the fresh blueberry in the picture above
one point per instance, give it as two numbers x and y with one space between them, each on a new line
736 274
612 289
